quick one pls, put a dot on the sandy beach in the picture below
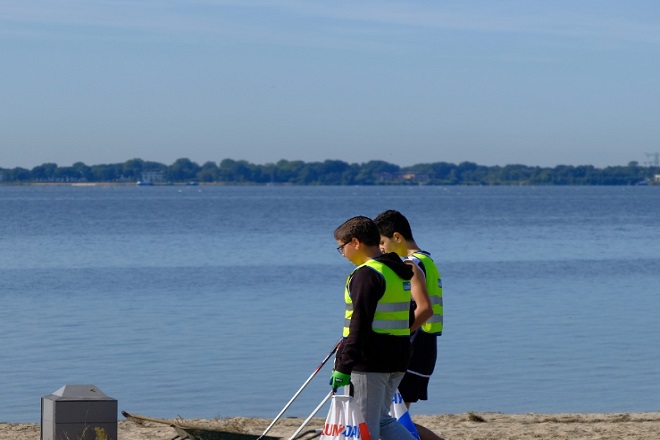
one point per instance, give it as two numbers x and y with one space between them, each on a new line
468 426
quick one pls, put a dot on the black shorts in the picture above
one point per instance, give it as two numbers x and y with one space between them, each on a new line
414 388
415 383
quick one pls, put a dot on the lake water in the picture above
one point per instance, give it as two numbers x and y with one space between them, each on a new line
221 301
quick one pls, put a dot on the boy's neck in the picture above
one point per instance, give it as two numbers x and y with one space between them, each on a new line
368 253
411 247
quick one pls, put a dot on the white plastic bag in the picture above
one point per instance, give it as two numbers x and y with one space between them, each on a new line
344 420
400 412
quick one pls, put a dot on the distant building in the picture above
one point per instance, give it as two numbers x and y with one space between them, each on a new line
152 177
656 178
404 177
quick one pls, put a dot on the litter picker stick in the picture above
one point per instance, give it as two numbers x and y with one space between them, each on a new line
325 399
295 396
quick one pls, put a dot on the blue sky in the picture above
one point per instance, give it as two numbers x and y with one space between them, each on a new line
493 82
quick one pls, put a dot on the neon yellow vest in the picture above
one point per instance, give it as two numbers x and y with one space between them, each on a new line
434 288
393 310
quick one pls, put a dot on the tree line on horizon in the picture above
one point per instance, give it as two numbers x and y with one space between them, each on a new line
329 172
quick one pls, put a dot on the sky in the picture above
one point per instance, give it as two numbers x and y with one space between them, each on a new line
538 83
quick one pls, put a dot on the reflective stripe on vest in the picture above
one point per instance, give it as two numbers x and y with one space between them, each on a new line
434 288
393 310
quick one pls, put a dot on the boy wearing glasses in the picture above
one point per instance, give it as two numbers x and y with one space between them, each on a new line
375 350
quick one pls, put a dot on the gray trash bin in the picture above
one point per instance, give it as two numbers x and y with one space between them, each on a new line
75 412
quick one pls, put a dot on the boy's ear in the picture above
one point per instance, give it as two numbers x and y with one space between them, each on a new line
397 237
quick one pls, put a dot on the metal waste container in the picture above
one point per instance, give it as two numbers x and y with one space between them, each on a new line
77 412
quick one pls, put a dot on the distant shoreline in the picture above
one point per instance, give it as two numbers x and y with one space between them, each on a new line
335 172
255 184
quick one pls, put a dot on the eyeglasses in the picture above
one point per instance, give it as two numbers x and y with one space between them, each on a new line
340 249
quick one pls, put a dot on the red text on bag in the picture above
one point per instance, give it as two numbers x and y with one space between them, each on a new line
350 431
333 430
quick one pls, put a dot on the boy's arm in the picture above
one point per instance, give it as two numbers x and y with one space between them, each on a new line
366 288
419 294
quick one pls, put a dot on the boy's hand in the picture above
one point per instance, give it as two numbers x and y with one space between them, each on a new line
339 379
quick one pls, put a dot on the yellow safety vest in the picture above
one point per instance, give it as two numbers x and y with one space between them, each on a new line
434 288
393 309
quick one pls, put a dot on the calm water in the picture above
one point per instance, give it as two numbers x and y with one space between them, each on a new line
217 302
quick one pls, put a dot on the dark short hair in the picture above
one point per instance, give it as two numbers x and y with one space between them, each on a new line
360 227
392 221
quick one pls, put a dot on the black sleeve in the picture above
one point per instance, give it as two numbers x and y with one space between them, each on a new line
366 288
